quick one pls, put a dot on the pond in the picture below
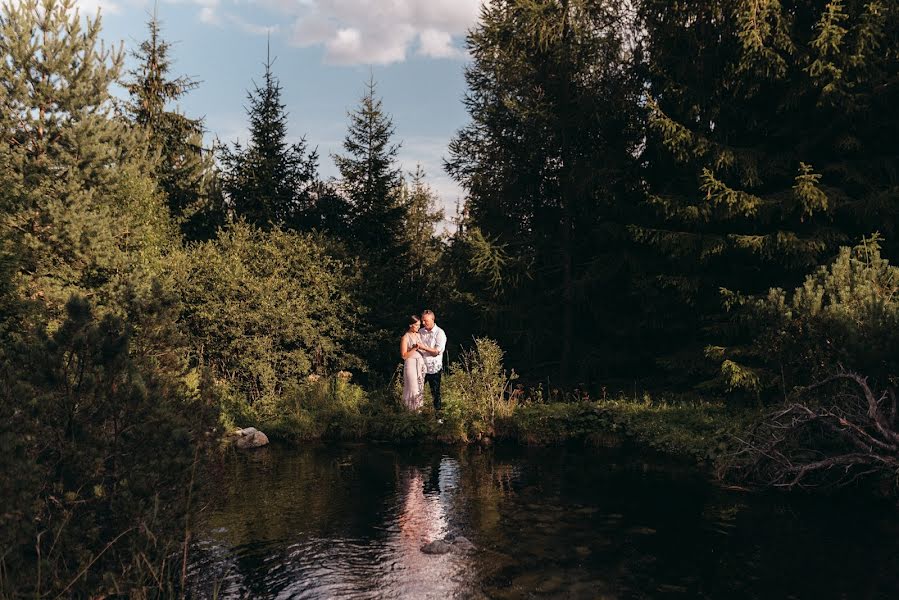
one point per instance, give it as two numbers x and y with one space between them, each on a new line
350 521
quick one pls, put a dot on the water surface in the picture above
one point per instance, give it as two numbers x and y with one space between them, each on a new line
349 521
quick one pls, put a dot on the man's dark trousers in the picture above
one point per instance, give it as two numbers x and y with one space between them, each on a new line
433 380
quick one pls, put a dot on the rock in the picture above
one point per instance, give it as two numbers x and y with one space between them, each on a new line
251 438
450 543
463 544
437 547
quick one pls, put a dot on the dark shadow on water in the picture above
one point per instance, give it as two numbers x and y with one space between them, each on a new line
349 522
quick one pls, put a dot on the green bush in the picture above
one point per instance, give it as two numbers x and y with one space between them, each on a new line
318 407
100 449
845 316
267 309
478 391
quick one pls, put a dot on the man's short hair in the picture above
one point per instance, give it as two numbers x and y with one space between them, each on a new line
427 311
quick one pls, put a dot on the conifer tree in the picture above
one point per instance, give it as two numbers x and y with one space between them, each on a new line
378 223
185 171
773 142
548 164
268 181
424 218
371 180
92 388
79 202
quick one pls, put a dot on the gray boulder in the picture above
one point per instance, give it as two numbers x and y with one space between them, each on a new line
462 544
250 438
450 543
437 547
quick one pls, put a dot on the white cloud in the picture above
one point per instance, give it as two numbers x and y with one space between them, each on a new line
357 31
249 27
209 16
382 31
437 44
88 8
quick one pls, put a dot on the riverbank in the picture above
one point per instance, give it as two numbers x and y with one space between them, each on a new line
337 410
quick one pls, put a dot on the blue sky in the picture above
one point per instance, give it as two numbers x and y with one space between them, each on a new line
325 51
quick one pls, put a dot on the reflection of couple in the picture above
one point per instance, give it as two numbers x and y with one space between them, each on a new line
422 349
422 517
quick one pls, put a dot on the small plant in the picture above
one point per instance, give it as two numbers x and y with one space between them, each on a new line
480 389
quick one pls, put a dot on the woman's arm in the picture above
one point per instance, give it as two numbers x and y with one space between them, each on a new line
405 350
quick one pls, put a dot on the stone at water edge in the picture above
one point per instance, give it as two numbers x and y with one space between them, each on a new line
463 544
251 438
450 543
437 547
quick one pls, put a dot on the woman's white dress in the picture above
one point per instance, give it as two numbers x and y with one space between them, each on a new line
413 376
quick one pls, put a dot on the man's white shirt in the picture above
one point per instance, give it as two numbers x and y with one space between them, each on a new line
436 338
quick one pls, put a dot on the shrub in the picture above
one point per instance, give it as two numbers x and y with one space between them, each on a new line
319 407
478 390
267 309
845 316
101 446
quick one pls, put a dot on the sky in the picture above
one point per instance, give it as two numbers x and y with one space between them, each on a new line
324 51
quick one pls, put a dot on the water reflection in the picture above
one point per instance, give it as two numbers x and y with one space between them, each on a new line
422 500
349 522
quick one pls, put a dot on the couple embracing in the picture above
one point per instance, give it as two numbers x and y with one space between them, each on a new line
422 349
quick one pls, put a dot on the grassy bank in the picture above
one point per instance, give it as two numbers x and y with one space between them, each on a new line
337 409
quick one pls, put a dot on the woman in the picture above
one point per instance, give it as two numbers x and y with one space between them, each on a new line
413 366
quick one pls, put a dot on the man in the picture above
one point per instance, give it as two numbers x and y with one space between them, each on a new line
433 344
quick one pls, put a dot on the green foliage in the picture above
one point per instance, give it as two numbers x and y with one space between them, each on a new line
425 247
319 407
103 447
548 162
478 389
552 423
79 205
268 308
845 316
185 171
371 181
379 228
767 124
269 182
681 427
690 428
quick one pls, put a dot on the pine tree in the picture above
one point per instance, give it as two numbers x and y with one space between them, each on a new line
371 181
93 399
378 224
772 142
79 201
548 164
424 218
185 171
269 182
